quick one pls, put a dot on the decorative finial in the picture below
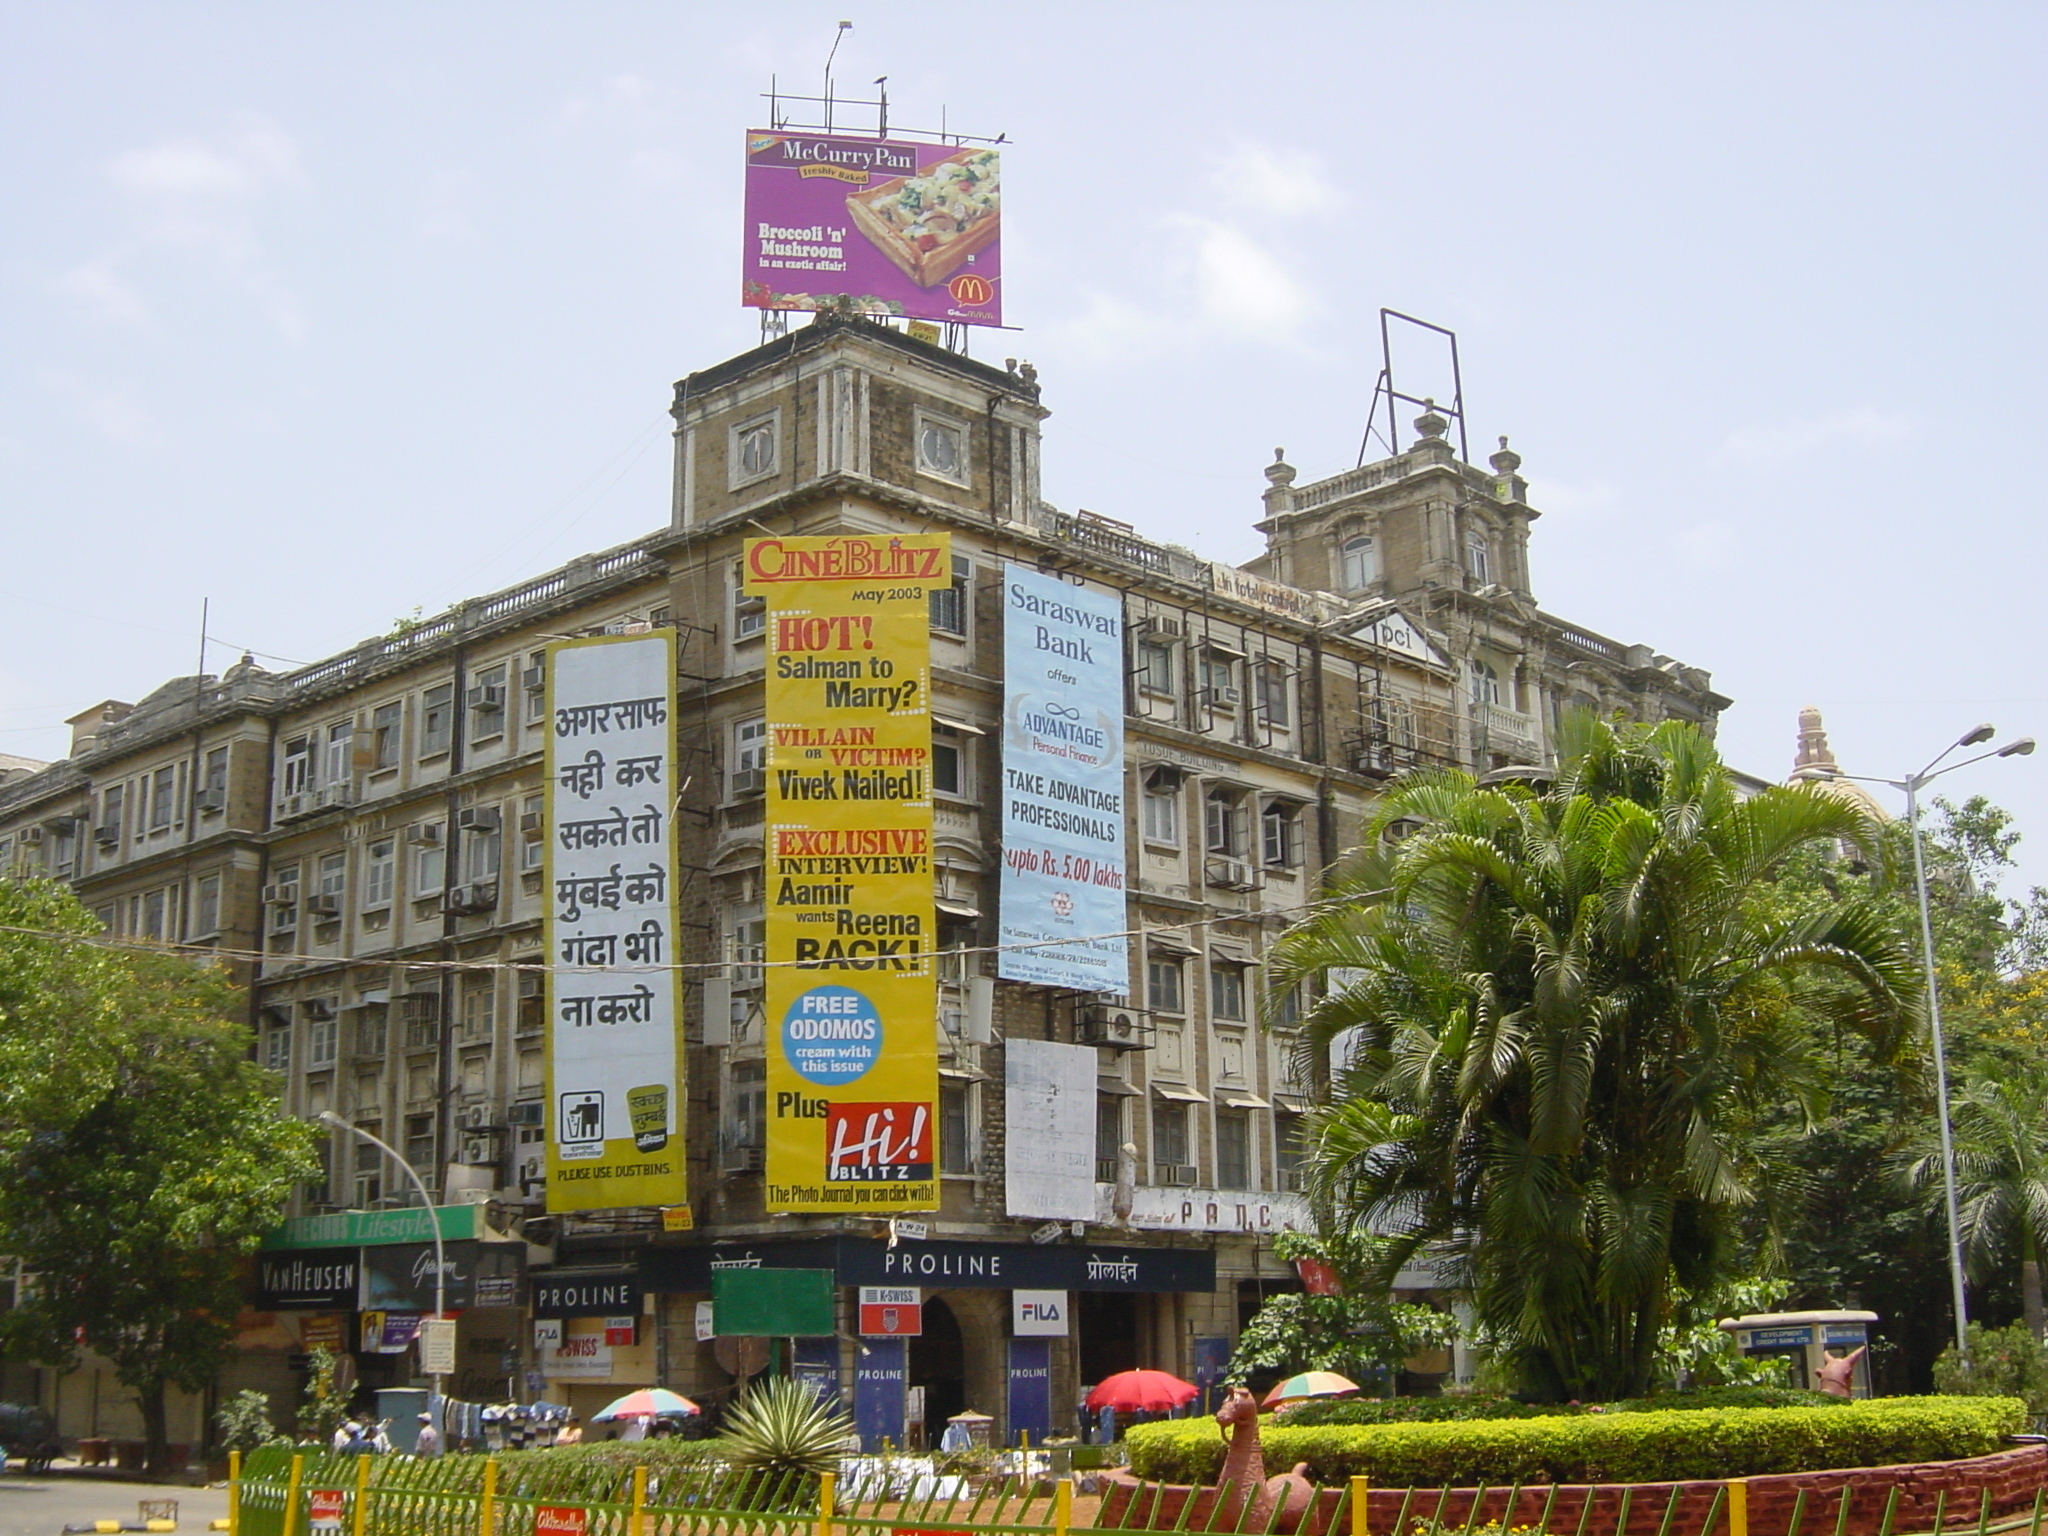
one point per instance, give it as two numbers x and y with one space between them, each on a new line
1280 472
1507 461
1431 424
1814 751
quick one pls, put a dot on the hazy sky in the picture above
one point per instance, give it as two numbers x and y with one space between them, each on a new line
333 312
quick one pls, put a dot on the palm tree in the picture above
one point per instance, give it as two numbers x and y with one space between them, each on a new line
1563 1005
1999 1123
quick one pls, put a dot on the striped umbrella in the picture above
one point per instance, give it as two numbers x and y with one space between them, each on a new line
1310 1384
647 1403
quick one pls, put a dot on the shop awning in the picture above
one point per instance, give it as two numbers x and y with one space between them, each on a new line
1179 1094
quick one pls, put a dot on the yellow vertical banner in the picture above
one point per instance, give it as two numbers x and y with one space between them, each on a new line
852 999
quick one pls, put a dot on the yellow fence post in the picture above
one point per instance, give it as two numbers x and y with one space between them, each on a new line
1358 1492
362 1509
638 1526
291 1493
487 1515
827 1482
1063 1506
1738 1507
234 1493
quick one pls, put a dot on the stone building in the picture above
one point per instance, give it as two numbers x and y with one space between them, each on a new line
362 839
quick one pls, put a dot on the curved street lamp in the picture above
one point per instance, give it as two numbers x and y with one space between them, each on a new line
330 1118
1912 784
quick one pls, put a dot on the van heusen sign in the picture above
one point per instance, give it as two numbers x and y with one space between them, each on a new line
312 1279
943 1265
597 1293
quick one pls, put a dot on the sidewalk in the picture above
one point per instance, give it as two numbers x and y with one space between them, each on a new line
69 1495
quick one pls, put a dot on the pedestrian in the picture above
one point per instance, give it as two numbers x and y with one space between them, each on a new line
570 1433
429 1441
344 1433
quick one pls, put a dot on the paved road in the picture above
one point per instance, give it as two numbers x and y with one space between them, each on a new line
43 1506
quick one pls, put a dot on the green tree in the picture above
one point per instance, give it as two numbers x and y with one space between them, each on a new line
1569 1005
133 1210
59 993
1359 1332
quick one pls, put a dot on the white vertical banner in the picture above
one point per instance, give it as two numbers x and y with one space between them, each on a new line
1049 1129
1063 784
615 1039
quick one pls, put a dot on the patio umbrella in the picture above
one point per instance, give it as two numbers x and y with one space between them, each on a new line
1310 1384
647 1403
1142 1392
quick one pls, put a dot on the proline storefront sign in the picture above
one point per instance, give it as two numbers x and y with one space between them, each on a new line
852 995
615 1037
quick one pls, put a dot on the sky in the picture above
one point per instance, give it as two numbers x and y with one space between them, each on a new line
324 315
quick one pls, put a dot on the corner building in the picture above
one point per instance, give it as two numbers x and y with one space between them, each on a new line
368 830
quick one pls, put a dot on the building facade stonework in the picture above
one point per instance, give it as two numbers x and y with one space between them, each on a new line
361 841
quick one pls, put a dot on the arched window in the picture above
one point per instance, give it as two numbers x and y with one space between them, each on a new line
1360 563
1485 684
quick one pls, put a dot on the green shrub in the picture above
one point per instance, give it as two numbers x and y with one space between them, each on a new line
1638 1447
2004 1362
1416 1410
1728 1397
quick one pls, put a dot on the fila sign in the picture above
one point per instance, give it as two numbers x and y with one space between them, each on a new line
888 1311
1038 1314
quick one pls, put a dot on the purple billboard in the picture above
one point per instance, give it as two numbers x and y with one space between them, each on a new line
902 228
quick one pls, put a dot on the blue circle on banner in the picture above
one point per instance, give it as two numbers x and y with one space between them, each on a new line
831 1035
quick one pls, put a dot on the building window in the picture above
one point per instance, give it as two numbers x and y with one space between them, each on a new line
206 906
533 848
949 760
156 915
956 1129
1155 667
478 1012
1287 1149
1478 559
942 448
1109 1136
1280 834
380 873
437 719
1162 984
110 815
341 752
1219 681
1222 832
487 705
746 1105
323 1031
373 1026
753 451
749 614
419 1144
1233 1150
749 752
1169 1132
1226 990
333 878
482 854
949 603
297 777
534 684
163 797
1270 680
277 1046
430 864
1160 814
1485 683
1359 564
387 731
214 776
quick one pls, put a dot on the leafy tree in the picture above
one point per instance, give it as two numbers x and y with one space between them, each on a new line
2004 1362
1570 1005
133 1209
324 1406
59 994
1360 1332
243 1421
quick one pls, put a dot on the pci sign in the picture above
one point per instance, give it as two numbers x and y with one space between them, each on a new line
891 1311
1038 1314
560 1520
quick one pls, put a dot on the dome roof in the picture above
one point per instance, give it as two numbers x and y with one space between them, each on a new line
1814 763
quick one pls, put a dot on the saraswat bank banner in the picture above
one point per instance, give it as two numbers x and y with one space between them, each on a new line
853 1079
903 228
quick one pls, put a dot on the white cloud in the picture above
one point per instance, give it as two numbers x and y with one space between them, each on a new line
1241 286
1768 447
99 285
108 412
1256 176
185 170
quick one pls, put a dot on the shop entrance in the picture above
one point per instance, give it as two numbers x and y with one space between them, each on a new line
1108 1321
938 1363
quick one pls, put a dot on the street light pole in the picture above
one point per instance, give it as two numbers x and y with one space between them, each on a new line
329 1117
1912 784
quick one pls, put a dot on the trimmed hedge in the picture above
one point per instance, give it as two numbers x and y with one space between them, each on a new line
1417 1410
1645 1447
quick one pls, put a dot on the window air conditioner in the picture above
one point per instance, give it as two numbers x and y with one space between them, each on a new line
480 897
527 1113
1164 628
1230 874
107 833
534 679
472 1117
532 824
334 795
1180 1174
210 800
486 699
1106 1170
533 1174
323 906
1118 1028
1222 698
749 781
479 818
743 1159
424 832
274 893
291 807
476 1152
30 837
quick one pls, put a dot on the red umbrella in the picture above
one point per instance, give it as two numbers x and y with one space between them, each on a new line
1142 1392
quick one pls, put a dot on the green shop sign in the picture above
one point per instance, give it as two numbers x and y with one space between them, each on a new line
363 1229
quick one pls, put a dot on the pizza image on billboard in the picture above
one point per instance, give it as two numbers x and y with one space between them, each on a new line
895 226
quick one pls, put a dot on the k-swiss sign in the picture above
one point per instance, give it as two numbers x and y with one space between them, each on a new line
891 1311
